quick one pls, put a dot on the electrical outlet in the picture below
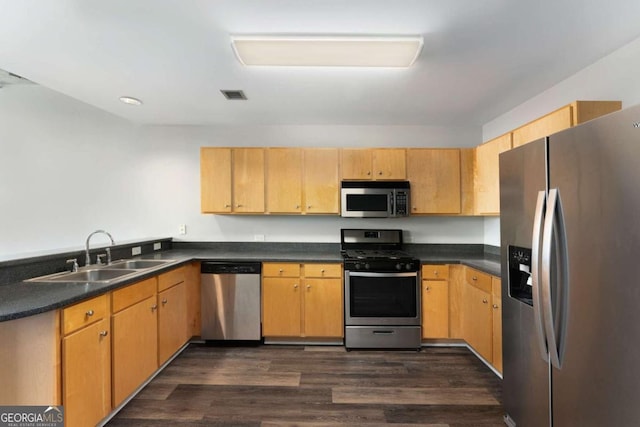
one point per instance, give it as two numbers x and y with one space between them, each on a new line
182 229
137 250
258 237
157 246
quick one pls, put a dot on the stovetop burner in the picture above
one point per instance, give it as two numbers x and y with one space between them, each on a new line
366 254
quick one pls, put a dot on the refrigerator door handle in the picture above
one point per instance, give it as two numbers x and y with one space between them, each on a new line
555 320
535 276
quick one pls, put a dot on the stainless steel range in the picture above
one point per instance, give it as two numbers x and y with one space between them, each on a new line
381 290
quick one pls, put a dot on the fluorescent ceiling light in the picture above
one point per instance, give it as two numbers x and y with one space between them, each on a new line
323 51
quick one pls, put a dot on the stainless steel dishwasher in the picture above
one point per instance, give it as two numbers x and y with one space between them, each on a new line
230 300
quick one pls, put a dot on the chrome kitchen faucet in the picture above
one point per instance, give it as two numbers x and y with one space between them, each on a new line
88 258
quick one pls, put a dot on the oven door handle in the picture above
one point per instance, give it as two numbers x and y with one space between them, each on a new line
363 274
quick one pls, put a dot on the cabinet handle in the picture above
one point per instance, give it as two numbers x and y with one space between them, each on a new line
484 301
495 306
280 271
154 307
369 173
474 278
297 206
295 286
380 173
164 301
322 271
238 206
435 272
104 333
427 288
89 313
309 207
227 205
308 286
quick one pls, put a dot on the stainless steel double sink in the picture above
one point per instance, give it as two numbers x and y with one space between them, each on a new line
103 273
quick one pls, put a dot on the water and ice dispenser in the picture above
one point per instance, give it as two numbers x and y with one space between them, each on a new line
520 274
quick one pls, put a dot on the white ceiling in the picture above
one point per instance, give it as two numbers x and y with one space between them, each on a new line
480 58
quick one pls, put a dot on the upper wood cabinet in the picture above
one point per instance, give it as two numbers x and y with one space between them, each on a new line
215 180
302 180
435 175
232 180
284 180
373 164
487 175
321 183
563 118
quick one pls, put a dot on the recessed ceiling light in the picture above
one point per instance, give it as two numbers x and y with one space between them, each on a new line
130 100
327 51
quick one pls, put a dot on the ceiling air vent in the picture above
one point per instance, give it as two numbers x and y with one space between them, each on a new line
234 94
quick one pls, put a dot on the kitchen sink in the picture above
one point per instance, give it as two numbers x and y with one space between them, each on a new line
138 264
94 275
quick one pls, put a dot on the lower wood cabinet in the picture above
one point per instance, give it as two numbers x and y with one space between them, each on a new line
435 301
86 362
135 337
482 315
302 300
496 305
172 321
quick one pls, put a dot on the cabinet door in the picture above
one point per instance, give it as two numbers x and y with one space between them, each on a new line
284 180
248 180
135 347
356 163
478 319
281 307
215 180
323 308
320 180
435 181
389 164
192 280
487 175
86 379
496 305
435 309
172 321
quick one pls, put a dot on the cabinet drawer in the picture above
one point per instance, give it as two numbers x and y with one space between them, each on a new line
478 279
170 278
84 313
125 297
435 272
323 270
270 269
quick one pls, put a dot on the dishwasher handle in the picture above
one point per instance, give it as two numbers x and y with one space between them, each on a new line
222 267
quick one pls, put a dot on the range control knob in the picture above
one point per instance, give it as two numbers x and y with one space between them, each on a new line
408 266
357 266
367 266
398 266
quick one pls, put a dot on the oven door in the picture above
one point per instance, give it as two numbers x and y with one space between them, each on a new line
381 298
367 202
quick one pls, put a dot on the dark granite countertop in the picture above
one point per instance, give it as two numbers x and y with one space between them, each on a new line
23 298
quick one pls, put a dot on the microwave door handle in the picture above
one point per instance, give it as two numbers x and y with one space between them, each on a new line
392 200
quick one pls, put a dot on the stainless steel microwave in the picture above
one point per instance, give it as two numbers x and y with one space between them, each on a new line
375 199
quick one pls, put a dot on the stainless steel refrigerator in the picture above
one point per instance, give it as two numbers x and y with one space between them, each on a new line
570 243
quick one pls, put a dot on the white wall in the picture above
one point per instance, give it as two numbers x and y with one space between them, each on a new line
614 77
67 169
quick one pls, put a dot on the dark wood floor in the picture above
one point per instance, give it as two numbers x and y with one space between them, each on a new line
318 386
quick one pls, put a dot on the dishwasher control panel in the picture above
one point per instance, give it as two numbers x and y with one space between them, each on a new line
215 267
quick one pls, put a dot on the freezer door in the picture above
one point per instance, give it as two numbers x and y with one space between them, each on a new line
596 169
525 373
